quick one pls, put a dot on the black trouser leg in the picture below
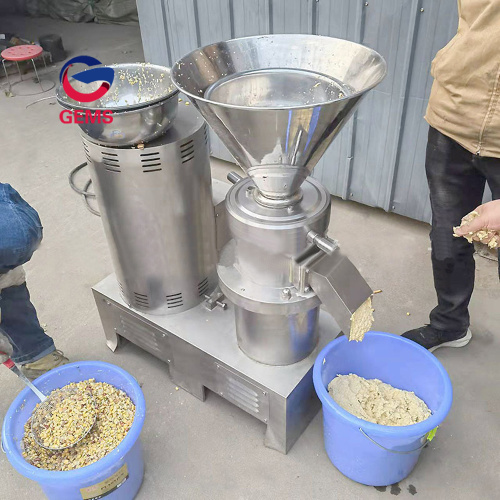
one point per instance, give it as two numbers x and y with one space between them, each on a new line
456 188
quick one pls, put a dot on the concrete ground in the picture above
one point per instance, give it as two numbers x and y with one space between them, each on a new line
214 450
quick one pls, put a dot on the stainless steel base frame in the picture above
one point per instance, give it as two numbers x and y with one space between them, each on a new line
201 352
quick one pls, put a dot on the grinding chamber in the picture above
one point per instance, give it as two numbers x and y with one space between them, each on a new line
277 102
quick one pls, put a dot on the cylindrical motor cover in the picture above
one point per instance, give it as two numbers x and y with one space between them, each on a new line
158 216
276 339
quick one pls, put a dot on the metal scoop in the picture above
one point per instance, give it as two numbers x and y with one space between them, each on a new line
52 429
43 423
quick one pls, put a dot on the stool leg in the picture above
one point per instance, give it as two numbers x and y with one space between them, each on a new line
6 74
44 63
37 77
19 70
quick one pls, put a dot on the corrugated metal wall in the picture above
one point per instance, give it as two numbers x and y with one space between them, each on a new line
378 159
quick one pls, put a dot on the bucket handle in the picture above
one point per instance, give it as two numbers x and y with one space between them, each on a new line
393 451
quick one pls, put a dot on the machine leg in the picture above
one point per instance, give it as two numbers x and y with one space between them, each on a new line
277 429
275 438
112 339
189 384
289 417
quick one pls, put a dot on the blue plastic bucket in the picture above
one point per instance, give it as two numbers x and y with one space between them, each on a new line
372 454
121 470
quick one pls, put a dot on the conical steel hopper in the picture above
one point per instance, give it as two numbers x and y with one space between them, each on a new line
277 101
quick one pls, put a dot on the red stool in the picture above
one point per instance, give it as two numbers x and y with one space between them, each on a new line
23 53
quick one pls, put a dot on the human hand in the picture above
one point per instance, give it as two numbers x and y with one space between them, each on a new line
483 224
488 218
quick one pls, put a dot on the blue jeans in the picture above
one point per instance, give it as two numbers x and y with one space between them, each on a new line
20 234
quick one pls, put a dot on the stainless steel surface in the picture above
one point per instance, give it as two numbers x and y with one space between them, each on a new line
277 101
201 352
142 98
274 323
337 283
322 242
216 298
42 397
244 292
135 85
266 239
158 216
219 192
135 126
233 177
277 339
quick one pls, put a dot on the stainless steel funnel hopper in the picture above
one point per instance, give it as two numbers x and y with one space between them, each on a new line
277 101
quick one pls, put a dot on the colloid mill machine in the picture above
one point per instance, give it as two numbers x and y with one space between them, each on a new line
223 282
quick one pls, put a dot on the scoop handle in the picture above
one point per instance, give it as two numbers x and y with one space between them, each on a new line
9 363
12 366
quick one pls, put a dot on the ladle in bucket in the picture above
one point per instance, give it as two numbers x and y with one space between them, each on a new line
41 417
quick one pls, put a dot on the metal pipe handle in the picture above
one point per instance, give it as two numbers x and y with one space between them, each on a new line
234 177
324 243
392 451
13 367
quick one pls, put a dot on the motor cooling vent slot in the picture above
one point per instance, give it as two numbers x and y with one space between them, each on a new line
110 161
87 152
141 300
206 134
174 300
151 162
242 393
140 334
187 151
202 287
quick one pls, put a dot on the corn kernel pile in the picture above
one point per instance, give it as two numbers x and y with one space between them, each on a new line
65 417
115 414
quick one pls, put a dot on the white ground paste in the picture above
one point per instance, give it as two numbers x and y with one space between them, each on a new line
377 402
361 320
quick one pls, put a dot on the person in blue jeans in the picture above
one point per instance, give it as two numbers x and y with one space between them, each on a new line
20 235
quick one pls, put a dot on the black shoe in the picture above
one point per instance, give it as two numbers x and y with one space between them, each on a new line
431 338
